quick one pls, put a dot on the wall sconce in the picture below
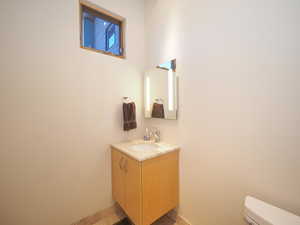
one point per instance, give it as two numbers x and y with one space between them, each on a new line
171 90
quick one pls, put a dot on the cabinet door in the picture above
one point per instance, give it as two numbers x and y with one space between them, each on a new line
160 186
133 190
118 177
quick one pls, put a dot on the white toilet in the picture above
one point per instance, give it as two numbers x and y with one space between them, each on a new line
260 213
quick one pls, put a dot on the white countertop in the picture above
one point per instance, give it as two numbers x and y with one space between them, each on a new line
144 154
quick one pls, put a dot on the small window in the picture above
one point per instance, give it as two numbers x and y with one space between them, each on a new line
101 31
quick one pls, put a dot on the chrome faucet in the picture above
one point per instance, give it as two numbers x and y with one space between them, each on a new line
155 133
152 133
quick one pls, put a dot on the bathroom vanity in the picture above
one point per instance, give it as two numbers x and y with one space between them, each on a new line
145 179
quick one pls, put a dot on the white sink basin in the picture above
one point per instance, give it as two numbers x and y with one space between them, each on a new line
144 147
142 150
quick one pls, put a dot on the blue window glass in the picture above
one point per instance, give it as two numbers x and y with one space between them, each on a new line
101 32
88 24
111 41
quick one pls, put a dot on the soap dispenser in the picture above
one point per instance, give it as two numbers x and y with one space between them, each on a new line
147 135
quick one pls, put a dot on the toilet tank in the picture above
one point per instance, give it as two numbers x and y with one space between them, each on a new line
260 213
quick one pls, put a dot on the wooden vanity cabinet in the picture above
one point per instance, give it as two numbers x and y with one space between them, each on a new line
146 190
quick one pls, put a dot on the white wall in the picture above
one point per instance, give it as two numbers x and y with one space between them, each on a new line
239 101
60 110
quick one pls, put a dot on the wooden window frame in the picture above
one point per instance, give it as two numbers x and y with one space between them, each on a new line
106 15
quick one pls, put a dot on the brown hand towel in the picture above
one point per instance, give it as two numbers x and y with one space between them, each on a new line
158 111
129 116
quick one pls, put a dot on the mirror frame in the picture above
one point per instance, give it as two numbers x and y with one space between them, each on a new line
173 83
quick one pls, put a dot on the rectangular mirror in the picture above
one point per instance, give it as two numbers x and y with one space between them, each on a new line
160 87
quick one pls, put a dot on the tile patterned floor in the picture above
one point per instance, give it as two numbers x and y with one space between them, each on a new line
113 219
